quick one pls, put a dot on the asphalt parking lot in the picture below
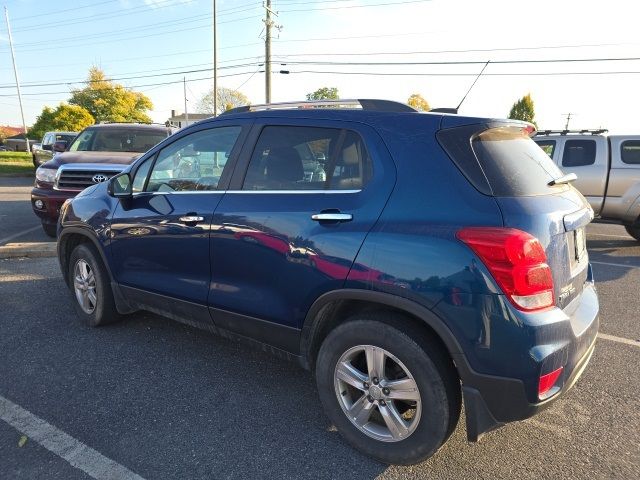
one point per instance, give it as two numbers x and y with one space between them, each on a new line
151 398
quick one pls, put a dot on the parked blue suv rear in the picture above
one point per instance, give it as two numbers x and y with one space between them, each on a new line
412 261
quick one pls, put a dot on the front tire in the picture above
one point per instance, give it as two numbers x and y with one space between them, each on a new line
634 231
90 286
50 229
389 389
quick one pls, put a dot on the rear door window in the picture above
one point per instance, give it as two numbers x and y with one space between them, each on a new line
308 158
579 153
630 152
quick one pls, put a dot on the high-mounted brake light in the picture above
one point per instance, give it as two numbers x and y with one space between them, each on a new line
518 263
548 381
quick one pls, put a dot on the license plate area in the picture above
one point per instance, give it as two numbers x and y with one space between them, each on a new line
577 249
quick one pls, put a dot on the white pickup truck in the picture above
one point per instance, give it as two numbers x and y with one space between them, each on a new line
607 167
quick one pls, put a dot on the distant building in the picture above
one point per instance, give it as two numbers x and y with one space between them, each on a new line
17 143
180 121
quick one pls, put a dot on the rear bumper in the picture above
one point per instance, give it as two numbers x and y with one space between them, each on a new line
492 401
52 202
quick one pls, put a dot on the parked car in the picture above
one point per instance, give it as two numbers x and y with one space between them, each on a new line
607 169
43 152
95 155
409 276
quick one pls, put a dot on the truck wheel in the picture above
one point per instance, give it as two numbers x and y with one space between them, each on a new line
91 288
390 390
634 231
50 230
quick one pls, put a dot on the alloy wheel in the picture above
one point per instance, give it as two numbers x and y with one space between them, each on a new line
84 285
377 393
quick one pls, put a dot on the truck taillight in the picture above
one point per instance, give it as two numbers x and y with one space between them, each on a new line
518 263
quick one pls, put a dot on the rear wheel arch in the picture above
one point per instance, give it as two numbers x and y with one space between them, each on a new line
333 308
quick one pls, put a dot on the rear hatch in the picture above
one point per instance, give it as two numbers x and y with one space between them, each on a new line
501 160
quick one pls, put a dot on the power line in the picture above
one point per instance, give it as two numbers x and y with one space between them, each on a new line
55 47
356 6
432 52
470 74
330 63
467 62
135 77
141 86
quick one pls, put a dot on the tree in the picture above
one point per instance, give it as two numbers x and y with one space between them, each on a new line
70 118
324 93
226 100
418 102
111 102
523 110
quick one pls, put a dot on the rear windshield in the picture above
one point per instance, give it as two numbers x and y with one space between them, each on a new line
502 161
111 139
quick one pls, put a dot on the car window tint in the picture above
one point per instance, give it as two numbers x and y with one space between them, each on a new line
141 175
307 158
194 162
578 153
631 152
547 146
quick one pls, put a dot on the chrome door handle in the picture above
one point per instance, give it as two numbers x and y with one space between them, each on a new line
332 217
191 219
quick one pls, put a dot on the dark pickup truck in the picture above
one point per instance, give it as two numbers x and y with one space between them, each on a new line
95 155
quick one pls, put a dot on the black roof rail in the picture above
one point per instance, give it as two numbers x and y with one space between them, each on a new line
362 103
444 110
586 131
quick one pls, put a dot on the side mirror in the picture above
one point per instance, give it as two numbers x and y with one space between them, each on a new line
60 146
48 146
120 186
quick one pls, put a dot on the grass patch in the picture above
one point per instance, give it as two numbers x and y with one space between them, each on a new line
16 163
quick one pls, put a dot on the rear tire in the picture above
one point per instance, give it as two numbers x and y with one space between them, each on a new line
50 230
90 287
634 231
402 425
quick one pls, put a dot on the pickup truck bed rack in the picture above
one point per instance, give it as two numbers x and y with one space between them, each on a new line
596 131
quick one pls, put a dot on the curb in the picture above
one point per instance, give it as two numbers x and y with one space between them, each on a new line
28 250
17 175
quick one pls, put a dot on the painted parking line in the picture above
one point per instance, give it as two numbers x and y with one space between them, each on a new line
625 265
628 237
75 452
613 338
19 234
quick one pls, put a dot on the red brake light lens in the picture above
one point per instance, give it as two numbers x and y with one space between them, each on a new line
548 381
518 263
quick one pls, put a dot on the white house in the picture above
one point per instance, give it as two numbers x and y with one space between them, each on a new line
180 121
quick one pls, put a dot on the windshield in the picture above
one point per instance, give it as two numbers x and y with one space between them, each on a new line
116 140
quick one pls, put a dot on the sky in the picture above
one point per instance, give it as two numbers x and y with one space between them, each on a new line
366 48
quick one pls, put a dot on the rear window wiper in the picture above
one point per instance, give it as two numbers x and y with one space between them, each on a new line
569 177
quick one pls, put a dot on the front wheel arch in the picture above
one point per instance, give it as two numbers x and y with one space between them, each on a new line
69 239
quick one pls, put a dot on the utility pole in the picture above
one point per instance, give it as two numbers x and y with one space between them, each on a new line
186 114
267 49
566 126
15 72
215 62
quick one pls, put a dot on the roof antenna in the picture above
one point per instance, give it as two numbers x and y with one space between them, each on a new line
472 85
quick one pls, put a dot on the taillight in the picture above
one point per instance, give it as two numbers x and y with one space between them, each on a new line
518 263
548 381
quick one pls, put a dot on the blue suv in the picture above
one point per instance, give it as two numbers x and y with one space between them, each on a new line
411 261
